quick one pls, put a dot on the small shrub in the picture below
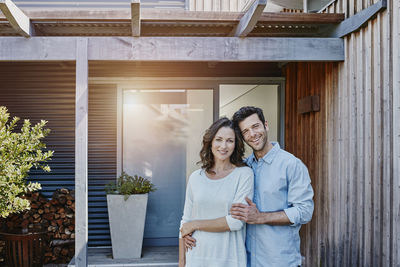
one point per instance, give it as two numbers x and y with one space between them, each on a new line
129 185
19 152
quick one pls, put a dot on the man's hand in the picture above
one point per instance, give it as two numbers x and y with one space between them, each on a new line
187 229
189 241
247 213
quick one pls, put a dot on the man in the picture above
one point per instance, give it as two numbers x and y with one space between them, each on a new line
282 196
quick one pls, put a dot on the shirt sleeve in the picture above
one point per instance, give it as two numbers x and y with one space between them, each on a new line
245 189
187 210
300 195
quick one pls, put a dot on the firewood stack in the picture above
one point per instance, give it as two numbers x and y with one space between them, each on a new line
57 216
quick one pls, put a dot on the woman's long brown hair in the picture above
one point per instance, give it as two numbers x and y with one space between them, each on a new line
206 155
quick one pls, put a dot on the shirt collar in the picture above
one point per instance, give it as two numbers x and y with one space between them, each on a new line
269 157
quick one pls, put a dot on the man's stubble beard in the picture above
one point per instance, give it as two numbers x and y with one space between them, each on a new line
265 143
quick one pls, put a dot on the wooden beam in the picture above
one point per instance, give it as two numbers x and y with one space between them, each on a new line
201 49
135 17
175 16
17 19
220 49
81 153
355 22
37 48
249 19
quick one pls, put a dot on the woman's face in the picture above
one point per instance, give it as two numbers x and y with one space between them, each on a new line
223 144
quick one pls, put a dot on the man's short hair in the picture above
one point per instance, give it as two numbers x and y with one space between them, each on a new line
245 112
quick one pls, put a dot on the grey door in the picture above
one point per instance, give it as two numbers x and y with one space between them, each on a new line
162 132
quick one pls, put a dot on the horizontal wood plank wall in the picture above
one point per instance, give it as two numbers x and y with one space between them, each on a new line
351 145
102 158
38 91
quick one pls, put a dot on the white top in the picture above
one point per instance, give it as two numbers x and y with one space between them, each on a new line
212 199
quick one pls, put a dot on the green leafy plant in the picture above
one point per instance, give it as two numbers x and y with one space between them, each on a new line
129 185
19 152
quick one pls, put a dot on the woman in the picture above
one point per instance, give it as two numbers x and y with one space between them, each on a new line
223 179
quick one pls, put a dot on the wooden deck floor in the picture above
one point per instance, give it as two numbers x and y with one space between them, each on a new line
152 256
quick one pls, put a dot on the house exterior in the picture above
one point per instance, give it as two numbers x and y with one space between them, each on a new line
129 87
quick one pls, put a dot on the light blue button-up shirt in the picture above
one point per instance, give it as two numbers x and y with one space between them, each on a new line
281 182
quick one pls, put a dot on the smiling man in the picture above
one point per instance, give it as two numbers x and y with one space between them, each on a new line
282 196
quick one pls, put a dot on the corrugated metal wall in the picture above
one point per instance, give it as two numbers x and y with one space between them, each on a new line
47 91
102 158
352 145
38 91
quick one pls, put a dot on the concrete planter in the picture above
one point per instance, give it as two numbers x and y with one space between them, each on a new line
127 220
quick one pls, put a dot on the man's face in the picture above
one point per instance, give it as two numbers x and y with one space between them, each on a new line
254 132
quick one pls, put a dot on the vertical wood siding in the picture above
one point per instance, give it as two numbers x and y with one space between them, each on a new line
217 5
352 145
305 137
395 41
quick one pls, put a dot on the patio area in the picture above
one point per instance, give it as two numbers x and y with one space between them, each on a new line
152 256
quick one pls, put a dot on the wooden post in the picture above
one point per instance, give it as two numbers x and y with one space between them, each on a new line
81 153
135 17
305 6
395 247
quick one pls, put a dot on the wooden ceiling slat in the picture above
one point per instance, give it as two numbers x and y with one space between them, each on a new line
59 15
83 22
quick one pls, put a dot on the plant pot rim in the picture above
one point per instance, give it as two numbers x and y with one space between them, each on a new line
128 194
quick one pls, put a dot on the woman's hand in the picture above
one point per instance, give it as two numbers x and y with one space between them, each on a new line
189 241
188 228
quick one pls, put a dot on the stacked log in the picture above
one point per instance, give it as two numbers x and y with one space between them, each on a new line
2 252
57 215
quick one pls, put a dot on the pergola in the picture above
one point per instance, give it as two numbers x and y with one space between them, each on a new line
159 36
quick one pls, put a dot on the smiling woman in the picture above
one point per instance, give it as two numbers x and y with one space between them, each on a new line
209 234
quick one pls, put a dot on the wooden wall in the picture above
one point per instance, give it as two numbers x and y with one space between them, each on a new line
217 5
352 145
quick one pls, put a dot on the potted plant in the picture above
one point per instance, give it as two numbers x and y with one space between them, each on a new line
127 204
19 152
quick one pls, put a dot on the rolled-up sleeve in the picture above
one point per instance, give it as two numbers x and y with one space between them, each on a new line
245 189
300 194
